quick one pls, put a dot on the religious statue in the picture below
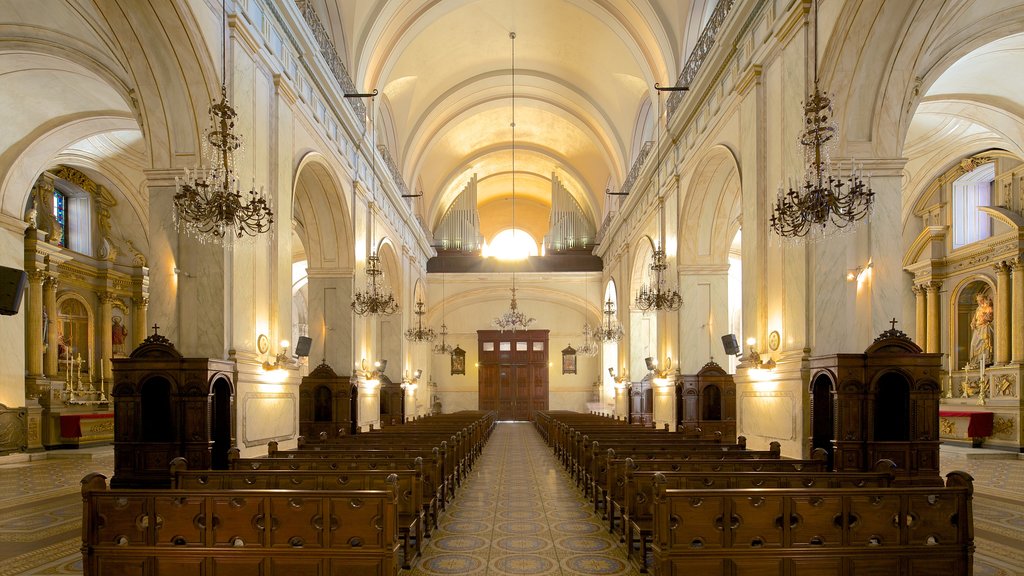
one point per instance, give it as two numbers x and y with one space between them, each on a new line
981 332
118 333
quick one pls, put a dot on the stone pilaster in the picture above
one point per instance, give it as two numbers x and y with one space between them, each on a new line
1002 314
139 321
933 318
34 307
106 327
1017 311
921 299
51 359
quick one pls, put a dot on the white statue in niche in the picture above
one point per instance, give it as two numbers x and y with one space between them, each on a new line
981 332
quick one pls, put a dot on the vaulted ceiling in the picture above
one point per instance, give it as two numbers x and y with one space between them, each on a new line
584 77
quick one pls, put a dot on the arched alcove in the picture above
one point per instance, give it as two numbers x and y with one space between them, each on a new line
221 422
892 408
822 396
155 405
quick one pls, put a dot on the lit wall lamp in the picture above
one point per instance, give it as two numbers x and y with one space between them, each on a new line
662 372
753 358
378 369
860 273
621 380
280 360
410 384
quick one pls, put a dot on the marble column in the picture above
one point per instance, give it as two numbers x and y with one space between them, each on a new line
51 359
1017 311
106 327
139 326
932 298
921 336
1002 314
34 308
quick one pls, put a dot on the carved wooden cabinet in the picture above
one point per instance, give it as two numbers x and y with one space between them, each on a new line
165 406
706 403
641 402
883 403
325 404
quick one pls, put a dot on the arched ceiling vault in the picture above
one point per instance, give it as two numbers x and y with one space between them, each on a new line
584 69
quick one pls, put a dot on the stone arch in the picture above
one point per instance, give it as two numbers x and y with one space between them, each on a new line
711 209
390 344
321 224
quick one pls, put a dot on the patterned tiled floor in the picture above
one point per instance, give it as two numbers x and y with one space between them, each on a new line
517 514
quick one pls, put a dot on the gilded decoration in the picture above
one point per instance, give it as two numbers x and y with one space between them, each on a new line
947 427
1002 426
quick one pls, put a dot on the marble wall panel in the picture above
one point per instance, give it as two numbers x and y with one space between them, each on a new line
12 369
267 416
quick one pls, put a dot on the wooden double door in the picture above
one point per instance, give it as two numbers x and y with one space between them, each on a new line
513 372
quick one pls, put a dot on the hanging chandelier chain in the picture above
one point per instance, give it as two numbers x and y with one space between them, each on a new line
826 202
208 205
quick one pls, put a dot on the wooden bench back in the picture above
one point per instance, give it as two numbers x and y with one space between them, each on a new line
895 530
212 533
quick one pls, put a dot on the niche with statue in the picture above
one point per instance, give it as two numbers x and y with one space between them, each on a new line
166 406
706 404
883 403
325 404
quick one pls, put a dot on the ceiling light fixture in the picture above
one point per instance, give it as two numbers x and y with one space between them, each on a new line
513 320
444 347
208 205
420 334
821 206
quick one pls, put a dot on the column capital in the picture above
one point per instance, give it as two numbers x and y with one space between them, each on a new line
107 297
1002 267
37 276
51 281
933 286
142 302
1016 264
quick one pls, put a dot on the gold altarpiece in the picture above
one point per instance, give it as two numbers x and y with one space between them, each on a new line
82 310
969 299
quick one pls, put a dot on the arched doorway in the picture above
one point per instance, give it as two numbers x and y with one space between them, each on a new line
822 415
157 416
220 423
892 408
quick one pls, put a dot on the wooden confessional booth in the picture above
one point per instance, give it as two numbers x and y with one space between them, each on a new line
641 401
706 404
165 406
327 404
883 403
392 402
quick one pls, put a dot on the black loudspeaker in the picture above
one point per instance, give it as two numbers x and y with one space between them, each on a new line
302 346
730 344
12 286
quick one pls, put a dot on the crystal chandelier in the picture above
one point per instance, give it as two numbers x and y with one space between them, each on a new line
513 319
655 296
589 346
374 300
826 202
208 204
612 330
419 334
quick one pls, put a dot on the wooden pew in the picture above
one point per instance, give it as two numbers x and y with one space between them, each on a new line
795 532
614 483
412 514
164 532
637 502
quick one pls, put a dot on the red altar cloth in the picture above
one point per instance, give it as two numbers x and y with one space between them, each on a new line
979 425
70 424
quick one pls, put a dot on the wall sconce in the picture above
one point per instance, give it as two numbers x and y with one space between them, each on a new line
280 360
378 369
753 358
859 273
621 380
410 384
662 373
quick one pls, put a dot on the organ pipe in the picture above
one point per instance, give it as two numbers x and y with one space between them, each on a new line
568 226
460 226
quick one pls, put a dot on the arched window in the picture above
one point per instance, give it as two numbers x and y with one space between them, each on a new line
60 216
511 244
970 192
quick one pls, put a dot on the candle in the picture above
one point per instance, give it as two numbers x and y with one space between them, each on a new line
981 375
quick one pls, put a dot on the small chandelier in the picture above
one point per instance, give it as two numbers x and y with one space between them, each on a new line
443 347
208 204
513 320
373 300
655 296
612 330
826 202
589 346
419 334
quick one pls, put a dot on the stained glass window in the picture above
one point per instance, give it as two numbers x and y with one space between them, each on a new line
60 215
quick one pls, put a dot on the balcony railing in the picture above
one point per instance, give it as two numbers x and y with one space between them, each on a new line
396 174
330 56
700 52
638 165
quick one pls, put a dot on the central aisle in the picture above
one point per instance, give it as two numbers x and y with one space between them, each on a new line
520 513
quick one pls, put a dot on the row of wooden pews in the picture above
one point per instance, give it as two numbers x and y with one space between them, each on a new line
706 507
348 505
